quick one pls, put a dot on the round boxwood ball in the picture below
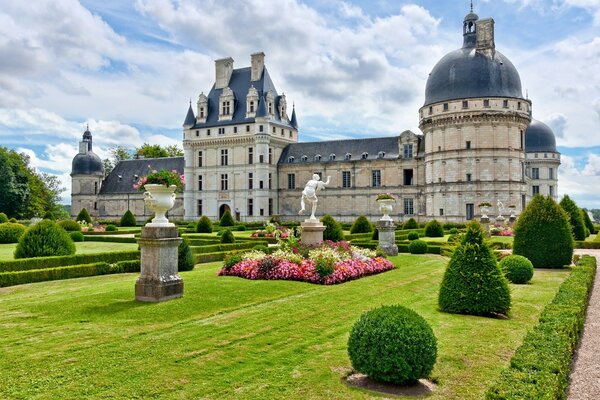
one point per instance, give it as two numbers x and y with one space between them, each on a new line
11 232
517 269
417 247
46 238
76 236
392 344
412 236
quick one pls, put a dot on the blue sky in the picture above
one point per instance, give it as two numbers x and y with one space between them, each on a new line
353 69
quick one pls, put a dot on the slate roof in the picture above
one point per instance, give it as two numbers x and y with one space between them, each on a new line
87 163
127 172
539 138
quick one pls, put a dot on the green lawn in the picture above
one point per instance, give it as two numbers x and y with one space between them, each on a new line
7 250
230 338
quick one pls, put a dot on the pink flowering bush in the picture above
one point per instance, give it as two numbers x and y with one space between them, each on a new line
272 230
160 177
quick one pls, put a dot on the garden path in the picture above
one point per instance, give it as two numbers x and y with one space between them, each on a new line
585 373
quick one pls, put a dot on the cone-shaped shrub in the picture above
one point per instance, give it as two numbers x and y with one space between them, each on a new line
11 232
46 238
84 215
361 225
185 260
333 229
434 229
543 234
3 218
392 344
204 225
128 219
410 224
517 269
227 237
575 219
473 282
70 226
587 221
227 219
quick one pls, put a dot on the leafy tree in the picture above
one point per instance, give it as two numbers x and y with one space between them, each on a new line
227 219
361 225
575 218
117 153
587 220
333 229
157 151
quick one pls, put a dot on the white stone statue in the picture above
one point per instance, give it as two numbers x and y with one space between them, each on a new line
310 193
500 208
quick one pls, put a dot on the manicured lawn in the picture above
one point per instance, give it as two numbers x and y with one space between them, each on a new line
436 239
7 250
230 338
502 239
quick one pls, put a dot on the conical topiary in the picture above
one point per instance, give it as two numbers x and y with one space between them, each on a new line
227 237
575 219
410 224
227 219
84 216
185 260
587 220
204 225
434 229
361 225
333 229
543 234
474 283
128 219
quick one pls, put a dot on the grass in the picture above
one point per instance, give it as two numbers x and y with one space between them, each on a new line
7 250
230 338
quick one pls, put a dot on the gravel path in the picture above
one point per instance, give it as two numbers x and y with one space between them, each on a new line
585 373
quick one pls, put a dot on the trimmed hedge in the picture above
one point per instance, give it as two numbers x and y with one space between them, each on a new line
517 269
540 367
579 244
204 225
51 274
227 219
185 257
84 215
210 257
333 229
114 239
3 218
70 226
226 247
575 217
126 266
227 237
76 236
128 219
410 224
111 228
11 232
61 261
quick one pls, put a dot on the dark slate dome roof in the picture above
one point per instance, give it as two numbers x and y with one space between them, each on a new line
539 138
88 163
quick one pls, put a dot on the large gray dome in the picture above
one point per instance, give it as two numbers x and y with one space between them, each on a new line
88 163
539 138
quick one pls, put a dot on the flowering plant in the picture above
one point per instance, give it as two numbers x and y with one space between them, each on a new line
485 204
385 196
160 177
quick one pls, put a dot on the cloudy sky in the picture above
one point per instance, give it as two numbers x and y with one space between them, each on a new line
353 68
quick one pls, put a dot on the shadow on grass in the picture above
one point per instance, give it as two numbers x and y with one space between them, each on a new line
116 307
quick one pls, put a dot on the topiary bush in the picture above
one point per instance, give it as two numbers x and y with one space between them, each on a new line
375 235
13 220
49 215
417 247
11 232
128 219
392 344
412 236
434 229
204 225
240 228
587 221
76 236
453 231
543 234
227 236
84 215
46 238
410 224
575 218
70 226
333 229
361 225
227 219
111 228
473 282
185 260
3 218
517 269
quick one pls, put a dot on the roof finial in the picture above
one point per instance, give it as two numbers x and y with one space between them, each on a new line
471 5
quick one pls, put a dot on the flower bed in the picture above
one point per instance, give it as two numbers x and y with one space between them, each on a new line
271 230
329 264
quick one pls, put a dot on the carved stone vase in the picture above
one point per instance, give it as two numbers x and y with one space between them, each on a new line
386 206
159 199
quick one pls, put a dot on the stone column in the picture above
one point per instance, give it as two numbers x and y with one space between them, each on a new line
158 279
485 224
387 237
312 232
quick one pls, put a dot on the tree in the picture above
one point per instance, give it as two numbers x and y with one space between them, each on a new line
587 220
333 229
117 153
157 151
575 218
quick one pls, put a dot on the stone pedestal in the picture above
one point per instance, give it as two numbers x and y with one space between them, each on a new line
158 279
312 232
387 237
485 224
511 220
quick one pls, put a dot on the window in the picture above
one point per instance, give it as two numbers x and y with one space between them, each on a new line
535 173
318 157
550 173
226 108
430 110
376 178
221 131
291 181
470 211
270 207
486 103
199 182
270 155
208 132
319 173
505 103
224 156
95 187
407 151
291 135
260 128
346 182
304 158
290 159
250 155
200 158
197 133
199 207
202 112
469 177
332 157
274 129
252 106
235 129
270 186
224 182
408 207
381 154
551 190
441 212
261 158
518 105
250 206
364 156
465 104
262 212
522 138
445 106
468 144
348 156
535 190
260 184
270 108
282 133
247 128
95 205
250 180
408 177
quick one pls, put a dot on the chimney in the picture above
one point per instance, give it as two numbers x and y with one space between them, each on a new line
223 70
484 29
257 62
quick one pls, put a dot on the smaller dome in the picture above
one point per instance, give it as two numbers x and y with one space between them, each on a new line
471 17
539 138
88 164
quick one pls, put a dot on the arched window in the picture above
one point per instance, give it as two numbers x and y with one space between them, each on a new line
304 158
381 154
364 155
291 159
347 156
318 157
332 157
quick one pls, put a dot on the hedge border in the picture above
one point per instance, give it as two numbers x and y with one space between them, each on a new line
580 244
117 239
213 248
51 274
25 264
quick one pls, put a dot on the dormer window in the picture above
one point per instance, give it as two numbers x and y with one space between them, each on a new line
251 106
332 157
202 108
282 107
318 157
226 100
251 102
226 108
290 159
347 156
304 158
270 102
364 156
381 154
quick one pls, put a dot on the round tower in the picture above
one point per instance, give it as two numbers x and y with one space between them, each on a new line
474 120
87 173
543 159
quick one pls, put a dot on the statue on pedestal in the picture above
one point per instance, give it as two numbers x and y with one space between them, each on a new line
310 193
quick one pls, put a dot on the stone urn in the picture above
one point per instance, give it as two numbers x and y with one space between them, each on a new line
484 211
159 199
386 206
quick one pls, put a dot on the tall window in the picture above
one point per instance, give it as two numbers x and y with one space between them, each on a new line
250 155
261 158
260 184
95 187
270 155
486 103
409 207
535 173
469 177
200 158
551 190
226 107
465 104
346 182
250 180
376 178
535 190
251 106
199 207
224 182
270 206
407 151
250 206
291 181
221 131
550 173
224 156
199 182
408 177
468 144
270 181
505 103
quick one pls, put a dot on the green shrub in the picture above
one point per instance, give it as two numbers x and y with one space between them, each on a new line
69 225
543 234
240 228
185 260
13 220
473 282
3 218
333 229
112 239
361 225
204 225
10 232
587 221
84 215
261 247
128 219
417 247
410 224
231 259
412 236
46 238
61 261
110 228
49 215
50 274
434 229
126 266
453 231
392 344
375 235
227 237
227 219
517 269
575 218
76 236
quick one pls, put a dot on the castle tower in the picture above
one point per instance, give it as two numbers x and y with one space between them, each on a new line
543 160
87 173
474 121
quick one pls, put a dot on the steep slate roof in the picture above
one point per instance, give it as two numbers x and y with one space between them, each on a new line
128 169
190 119
240 84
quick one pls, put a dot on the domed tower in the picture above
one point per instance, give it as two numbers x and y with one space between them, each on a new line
87 173
474 119
542 158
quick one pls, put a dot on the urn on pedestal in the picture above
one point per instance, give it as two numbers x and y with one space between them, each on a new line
386 205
